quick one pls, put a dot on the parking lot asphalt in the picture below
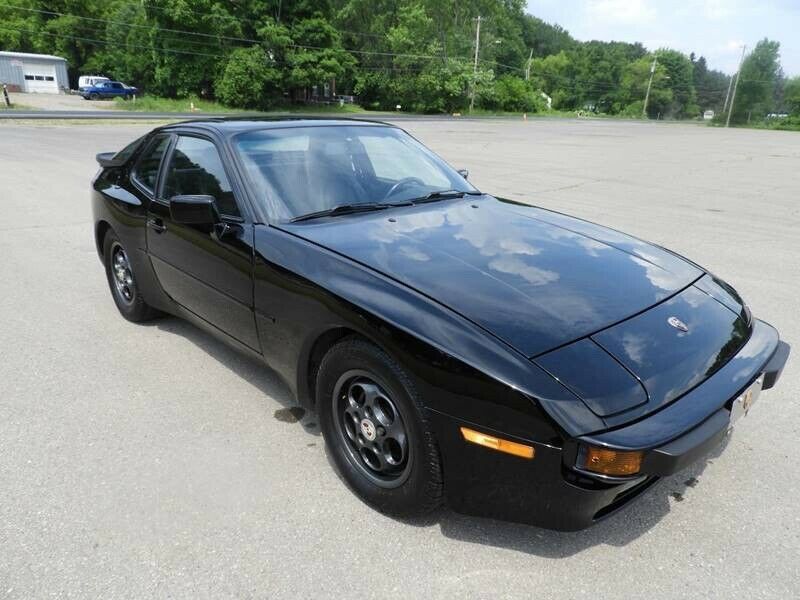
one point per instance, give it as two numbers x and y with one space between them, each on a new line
152 461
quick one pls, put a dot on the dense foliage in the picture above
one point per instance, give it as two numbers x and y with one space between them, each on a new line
418 54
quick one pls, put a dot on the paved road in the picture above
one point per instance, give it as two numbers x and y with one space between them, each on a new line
147 461
56 102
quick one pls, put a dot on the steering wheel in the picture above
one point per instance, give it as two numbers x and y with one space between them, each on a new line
402 183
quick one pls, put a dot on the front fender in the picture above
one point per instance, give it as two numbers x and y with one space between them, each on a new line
302 289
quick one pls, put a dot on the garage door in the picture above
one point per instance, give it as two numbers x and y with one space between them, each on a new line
40 79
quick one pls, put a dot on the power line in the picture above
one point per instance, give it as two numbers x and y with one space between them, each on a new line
107 43
187 52
220 37
236 17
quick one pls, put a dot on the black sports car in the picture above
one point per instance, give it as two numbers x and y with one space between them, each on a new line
513 361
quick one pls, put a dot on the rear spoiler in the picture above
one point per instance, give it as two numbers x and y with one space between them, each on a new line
106 159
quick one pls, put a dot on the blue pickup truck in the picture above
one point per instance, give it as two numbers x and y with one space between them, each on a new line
108 89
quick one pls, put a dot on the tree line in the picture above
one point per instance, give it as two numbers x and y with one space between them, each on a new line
418 54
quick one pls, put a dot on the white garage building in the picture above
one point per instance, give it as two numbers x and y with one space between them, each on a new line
33 73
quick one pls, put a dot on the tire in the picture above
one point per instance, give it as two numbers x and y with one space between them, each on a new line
93 97
122 282
397 478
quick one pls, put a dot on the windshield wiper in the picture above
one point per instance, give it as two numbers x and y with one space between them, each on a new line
347 209
442 195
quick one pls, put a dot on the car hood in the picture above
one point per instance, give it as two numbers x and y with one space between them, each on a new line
534 278
639 365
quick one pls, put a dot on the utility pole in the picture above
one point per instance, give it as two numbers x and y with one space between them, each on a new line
735 85
475 63
528 67
649 84
728 95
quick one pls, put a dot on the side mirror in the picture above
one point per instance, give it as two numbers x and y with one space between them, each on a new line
464 173
194 210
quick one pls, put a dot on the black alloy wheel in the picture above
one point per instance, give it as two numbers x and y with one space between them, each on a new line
122 281
371 428
376 431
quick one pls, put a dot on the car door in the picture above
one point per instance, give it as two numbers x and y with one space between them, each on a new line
207 269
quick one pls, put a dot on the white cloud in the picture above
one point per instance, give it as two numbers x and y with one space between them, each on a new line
514 266
719 9
621 11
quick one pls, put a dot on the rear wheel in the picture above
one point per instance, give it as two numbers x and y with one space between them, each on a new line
374 427
122 281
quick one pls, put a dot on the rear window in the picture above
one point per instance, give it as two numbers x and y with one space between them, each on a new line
124 154
146 171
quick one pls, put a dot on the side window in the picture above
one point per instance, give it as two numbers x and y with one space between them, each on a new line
146 171
196 169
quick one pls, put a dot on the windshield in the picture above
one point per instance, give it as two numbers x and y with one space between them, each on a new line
301 170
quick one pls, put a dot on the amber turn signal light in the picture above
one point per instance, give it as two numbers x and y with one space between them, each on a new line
605 461
495 443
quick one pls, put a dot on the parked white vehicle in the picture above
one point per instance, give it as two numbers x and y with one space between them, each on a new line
90 80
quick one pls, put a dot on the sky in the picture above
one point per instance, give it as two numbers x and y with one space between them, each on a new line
716 29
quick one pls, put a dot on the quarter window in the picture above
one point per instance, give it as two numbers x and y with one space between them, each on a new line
146 171
196 169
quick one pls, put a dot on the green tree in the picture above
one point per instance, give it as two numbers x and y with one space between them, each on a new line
315 57
791 95
678 70
634 87
126 55
545 39
183 64
710 85
511 93
250 79
551 74
416 53
760 73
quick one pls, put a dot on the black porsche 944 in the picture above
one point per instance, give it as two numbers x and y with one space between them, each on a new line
512 361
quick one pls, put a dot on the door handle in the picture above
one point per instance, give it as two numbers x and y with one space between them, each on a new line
156 225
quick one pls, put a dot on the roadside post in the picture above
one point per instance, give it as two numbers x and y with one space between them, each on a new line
5 96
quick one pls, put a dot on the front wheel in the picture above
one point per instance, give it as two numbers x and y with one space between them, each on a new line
94 97
374 426
122 282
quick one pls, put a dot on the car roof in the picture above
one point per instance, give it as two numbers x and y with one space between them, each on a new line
232 125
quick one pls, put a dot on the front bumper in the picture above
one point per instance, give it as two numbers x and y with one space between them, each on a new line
548 492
